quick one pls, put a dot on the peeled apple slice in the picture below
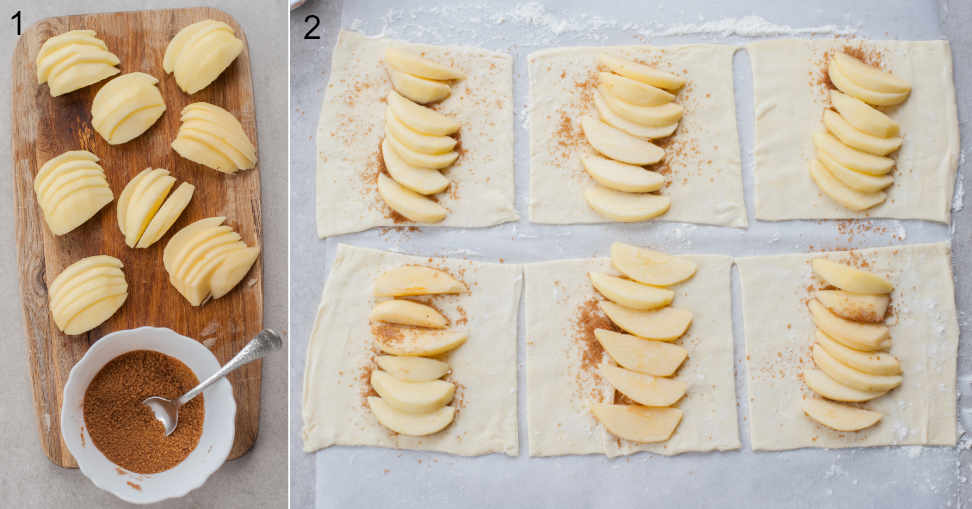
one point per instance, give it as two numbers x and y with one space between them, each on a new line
74 60
847 85
199 53
619 145
86 293
420 342
415 425
641 72
421 180
167 215
632 91
84 296
650 357
415 140
146 199
412 369
631 294
232 269
622 177
644 389
609 117
822 384
651 267
412 397
857 181
420 118
665 324
415 280
850 279
95 315
71 188
874 363
863 116
181 241
420 160
408 203
626 207
637 423
420 90
126 107
413 63
869 77
406 312
856 139
841 193
850 157
854 306
653 116
840 417
213 137
866 337
850 377
206 259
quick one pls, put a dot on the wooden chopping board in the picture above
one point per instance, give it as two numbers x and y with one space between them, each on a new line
45 126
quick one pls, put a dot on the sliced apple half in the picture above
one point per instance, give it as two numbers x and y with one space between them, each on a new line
74 60
641 72
863 116
656 358
665 324
822 384
415 140
874 363
416 280
840 192
413 369
406 312
644 389
619 145
622 177
420 90
81 266
651 267
421 180
200 52
420 118
861 182
638 423
182 240
149 194
854 306
652 116
850 157
631 294
632 91
847 85
866 337
95 314
416 425
838 416
850 279
232 270
856 139
868 76
418 159
412 397
167 215
410 342
609 117
413 63
626 207
95 292
126 107
408 203
850 377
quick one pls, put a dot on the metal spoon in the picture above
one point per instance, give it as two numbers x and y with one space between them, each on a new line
167 411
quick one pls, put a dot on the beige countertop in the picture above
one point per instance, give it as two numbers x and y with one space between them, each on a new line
259 478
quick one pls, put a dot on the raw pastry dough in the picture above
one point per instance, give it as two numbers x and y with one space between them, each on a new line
351 128
789 83
560 390
341 349
702 163
779 333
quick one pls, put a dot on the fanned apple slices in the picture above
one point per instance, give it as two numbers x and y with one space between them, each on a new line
412 400
74 60
207 259
646 355
200 52
213 137
146 210
126 107
849 352
635 104
852 167
71 188
87 293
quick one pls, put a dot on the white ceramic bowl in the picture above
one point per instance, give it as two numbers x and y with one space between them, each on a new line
218 424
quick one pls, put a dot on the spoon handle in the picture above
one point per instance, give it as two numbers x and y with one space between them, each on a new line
263 343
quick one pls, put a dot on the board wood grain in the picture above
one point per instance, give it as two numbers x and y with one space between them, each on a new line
44 127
